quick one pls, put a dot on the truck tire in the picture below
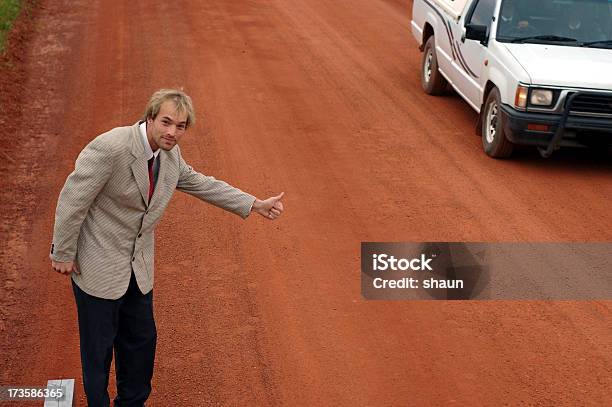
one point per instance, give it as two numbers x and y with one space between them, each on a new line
432 81
494 140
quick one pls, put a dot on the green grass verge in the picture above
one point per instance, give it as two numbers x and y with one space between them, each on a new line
9 9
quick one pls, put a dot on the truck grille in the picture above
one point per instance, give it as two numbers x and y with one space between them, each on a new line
592 104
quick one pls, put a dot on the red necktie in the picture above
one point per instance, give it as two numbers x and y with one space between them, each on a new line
151 179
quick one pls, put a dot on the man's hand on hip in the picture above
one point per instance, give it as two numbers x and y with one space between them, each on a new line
65 267
270 208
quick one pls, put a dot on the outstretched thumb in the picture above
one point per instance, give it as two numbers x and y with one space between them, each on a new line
279 196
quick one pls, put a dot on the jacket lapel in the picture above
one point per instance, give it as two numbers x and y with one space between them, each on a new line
139 165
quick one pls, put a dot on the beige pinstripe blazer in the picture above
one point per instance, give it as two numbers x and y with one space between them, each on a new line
103 220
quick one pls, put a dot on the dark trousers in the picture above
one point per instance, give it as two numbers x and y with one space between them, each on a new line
125 325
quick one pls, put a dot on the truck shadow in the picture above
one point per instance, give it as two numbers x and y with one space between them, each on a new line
565 158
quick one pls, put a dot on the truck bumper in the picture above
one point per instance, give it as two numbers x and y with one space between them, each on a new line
539 129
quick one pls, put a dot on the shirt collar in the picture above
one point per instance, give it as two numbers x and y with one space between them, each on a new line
147 147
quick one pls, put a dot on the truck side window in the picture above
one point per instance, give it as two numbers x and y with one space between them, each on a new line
482 14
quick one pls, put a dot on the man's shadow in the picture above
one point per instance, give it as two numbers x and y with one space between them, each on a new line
456 262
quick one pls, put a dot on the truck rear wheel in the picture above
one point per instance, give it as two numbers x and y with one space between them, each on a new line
494 140
432 81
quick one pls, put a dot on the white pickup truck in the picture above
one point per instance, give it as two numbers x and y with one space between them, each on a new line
539 72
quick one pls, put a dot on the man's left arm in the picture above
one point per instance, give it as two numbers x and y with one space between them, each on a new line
225 196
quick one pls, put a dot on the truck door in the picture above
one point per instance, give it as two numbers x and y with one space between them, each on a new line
471 54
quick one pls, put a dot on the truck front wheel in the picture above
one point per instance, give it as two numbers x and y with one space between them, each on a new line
432 81
494 140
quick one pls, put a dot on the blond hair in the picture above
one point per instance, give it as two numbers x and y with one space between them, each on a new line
181 100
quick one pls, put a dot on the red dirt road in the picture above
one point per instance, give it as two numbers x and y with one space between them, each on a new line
320 99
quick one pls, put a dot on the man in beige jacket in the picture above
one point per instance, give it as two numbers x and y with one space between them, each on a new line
104 238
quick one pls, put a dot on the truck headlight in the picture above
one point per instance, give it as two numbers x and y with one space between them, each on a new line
541 97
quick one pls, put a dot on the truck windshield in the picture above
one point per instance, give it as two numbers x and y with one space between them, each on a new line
585 23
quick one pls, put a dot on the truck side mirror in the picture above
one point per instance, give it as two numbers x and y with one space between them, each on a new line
476 32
